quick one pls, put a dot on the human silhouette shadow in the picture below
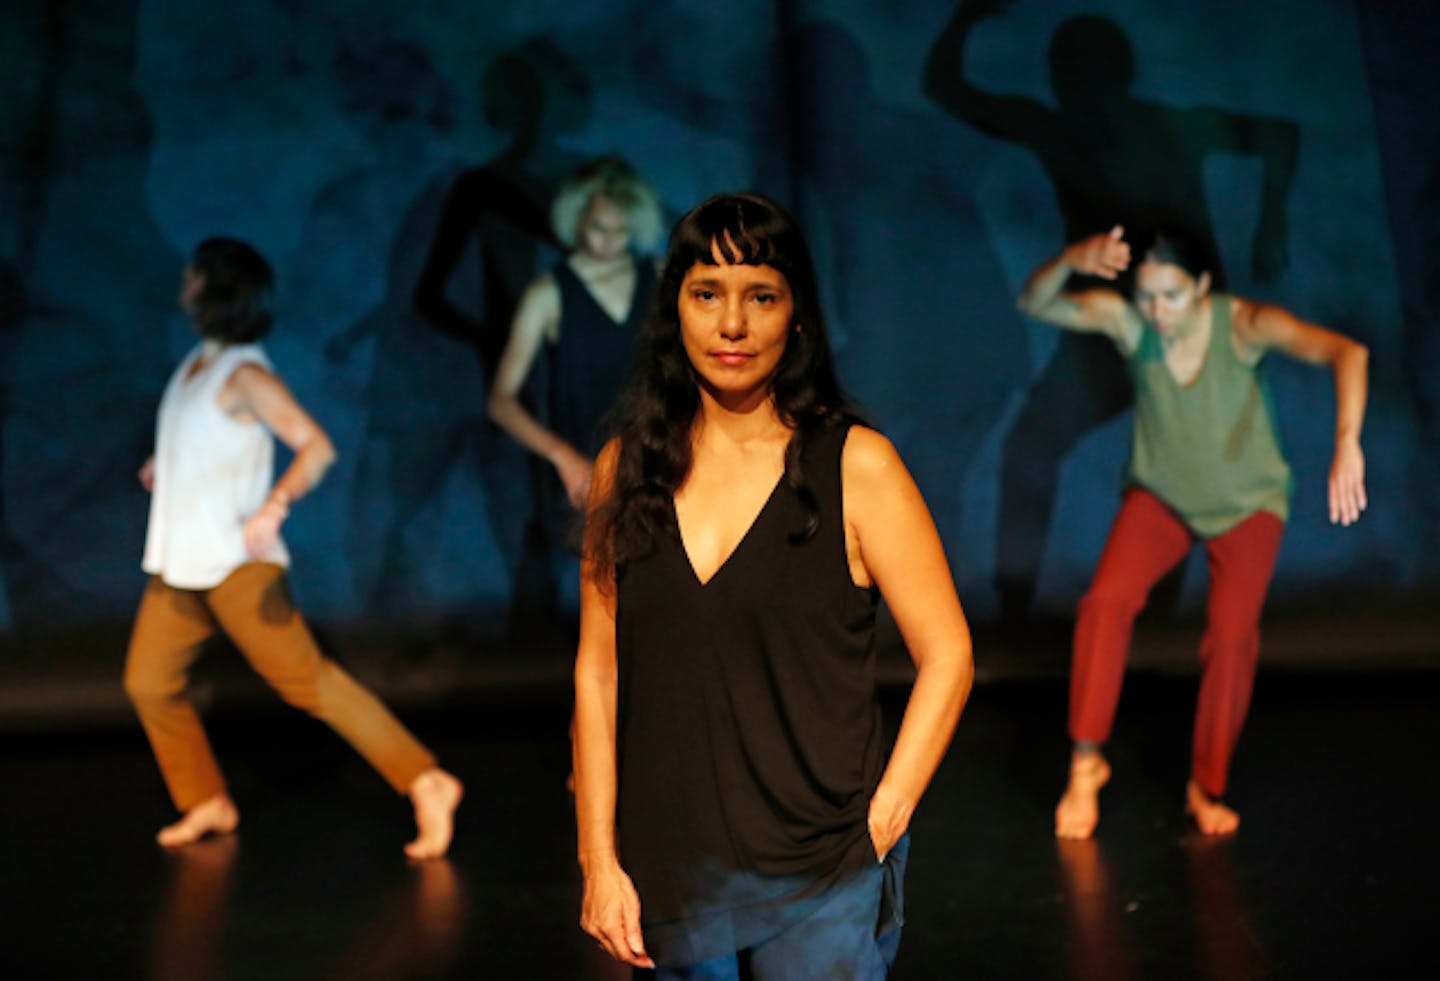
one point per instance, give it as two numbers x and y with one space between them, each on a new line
90 282
423 421
1422 339
372 391
1112 158
13 303
898 244
498 211
410 403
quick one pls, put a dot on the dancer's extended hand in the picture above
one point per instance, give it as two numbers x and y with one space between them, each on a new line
1347 483
262 529
147 474
1106 256
575 470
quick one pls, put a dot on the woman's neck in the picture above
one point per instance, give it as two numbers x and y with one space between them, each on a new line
739 422
586 264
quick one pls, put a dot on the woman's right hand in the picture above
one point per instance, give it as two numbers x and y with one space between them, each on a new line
147 474
575 470
1105 256
611 912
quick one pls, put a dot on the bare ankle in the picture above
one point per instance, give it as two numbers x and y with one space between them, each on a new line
1088 764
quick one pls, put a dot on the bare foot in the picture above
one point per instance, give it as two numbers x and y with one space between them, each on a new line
1211 816
1079 809
435 795
213 815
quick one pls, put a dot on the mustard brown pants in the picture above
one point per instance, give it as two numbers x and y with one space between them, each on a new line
253 608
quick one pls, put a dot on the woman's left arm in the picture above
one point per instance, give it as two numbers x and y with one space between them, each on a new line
1265 326
892 542
253 393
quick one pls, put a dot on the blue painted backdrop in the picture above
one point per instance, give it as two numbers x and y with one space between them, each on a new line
934 153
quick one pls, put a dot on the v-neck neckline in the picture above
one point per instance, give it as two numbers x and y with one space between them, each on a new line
196 366
726 562
1206 355
595 302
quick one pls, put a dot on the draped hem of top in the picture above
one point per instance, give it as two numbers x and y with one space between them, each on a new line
776 903
1212 529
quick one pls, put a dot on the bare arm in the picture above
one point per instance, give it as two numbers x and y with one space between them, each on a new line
611 907
1099 311
253 393
893 543
536 319
1261 326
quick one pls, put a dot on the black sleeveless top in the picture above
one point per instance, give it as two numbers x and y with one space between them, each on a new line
589 364
748 731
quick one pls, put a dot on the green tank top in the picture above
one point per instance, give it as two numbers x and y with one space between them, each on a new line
1209 449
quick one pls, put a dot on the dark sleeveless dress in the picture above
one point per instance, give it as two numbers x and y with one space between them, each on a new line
748 734
589 364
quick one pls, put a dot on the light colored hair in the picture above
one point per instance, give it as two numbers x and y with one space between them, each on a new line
613 178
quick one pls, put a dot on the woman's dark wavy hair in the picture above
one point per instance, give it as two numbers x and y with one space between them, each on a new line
235 304
654 417
1173 246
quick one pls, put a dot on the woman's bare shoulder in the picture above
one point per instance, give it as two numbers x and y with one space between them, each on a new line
869 458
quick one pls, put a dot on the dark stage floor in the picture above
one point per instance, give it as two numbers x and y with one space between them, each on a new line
1331 875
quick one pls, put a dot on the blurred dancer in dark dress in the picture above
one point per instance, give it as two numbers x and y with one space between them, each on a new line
582 318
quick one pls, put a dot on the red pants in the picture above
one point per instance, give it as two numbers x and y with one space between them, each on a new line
1148 540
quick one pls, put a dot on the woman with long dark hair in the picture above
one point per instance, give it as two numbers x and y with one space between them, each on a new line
217 562
1205 466
734 801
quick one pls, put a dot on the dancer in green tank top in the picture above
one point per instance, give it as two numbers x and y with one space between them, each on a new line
1205 465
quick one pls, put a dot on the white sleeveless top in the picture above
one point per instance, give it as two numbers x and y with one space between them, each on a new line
211 473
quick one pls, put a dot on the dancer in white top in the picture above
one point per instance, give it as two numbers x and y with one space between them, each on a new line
217 562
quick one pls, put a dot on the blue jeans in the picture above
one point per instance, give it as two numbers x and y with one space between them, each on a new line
852 935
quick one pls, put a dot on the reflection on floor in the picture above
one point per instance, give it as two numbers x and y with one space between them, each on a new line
1328 877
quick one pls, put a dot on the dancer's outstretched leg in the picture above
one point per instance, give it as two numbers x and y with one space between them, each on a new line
279 646
435 795
1079 809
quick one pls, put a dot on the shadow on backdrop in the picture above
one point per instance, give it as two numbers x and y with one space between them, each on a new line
498 211
1112 158
13 302
401 388
907 273
88 289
